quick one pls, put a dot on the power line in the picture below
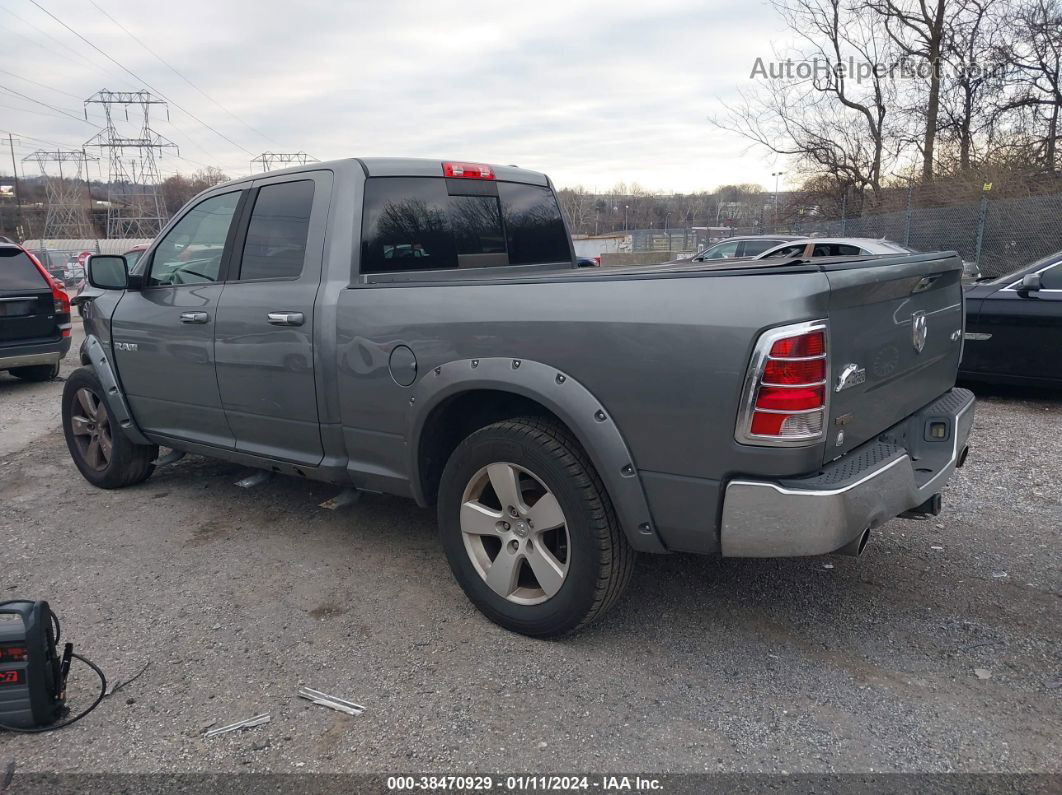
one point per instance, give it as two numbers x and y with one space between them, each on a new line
45 104
41 85
32 138
173 69
62 47
138 78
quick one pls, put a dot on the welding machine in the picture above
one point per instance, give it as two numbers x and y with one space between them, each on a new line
32 672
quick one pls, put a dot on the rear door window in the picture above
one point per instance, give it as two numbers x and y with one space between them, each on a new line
276 235
17 271
432 223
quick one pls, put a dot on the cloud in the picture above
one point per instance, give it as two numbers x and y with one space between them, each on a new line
590 92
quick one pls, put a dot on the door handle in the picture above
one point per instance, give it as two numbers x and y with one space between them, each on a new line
194 317
286 318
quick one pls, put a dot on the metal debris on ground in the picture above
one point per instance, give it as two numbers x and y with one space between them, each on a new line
937 547
257 479
827 565
332 702
257 720
999 575
343 499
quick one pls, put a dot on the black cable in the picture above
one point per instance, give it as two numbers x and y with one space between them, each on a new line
55 726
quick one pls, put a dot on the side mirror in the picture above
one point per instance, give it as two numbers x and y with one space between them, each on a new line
108 271
1030 283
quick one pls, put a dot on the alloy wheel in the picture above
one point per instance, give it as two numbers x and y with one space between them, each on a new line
91 427
515 533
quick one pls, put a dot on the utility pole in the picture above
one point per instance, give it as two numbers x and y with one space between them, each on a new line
776 175
135 207
18 190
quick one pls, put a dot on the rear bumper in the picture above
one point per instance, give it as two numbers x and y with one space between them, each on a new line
824 512
33 353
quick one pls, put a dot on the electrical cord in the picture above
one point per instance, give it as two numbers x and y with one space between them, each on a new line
55 726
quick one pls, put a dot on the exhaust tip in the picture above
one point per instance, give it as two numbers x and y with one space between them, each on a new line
856 546
962 456
863 540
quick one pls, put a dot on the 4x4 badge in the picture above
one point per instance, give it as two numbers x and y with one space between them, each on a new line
919 330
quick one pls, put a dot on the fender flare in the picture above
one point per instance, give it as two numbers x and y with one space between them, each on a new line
574 404
117 406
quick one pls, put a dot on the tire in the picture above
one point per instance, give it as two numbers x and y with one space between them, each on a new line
38 372
589 561
114 461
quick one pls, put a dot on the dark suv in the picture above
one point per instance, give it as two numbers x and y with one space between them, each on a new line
34 317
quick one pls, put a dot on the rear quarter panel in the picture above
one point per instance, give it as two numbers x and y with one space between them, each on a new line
665 356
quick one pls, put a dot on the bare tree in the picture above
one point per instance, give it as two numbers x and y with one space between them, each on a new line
973 51
830 121
1036 80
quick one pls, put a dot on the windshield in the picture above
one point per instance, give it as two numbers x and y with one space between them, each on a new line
1040 263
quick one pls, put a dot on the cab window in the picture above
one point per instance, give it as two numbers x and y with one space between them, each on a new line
191 252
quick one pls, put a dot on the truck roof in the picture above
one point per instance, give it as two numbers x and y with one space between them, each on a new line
409 167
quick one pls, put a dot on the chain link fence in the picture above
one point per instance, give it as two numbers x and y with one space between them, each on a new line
999 235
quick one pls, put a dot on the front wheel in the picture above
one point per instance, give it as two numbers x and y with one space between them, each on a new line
101 451
528 529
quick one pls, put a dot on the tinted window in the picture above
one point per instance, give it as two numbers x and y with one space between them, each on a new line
277 233
131 257
835 250
406 225
750 248
414 223
17 271
191 251
533 225
477 225
1051 279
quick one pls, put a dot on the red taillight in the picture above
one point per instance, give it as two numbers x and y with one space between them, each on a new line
786 387
809 371
468 170
811 344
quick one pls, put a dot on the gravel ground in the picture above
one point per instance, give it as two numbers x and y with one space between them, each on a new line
234 598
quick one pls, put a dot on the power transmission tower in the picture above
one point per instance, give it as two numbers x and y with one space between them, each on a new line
136 208
67 194
269 160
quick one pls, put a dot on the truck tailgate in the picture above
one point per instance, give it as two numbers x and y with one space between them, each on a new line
895 339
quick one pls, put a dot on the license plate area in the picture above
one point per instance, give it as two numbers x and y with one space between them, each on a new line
21 308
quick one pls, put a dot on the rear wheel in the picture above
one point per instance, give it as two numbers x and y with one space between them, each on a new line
38 372
528 529
101 451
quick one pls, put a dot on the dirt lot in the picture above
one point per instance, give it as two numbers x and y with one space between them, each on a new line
234 598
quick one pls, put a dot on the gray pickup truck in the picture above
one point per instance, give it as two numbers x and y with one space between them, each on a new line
420 328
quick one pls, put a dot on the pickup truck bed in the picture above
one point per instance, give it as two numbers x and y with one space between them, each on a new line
721 409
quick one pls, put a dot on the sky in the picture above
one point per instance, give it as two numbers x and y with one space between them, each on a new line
590 92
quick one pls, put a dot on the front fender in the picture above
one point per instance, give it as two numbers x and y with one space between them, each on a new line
117 406
583 414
